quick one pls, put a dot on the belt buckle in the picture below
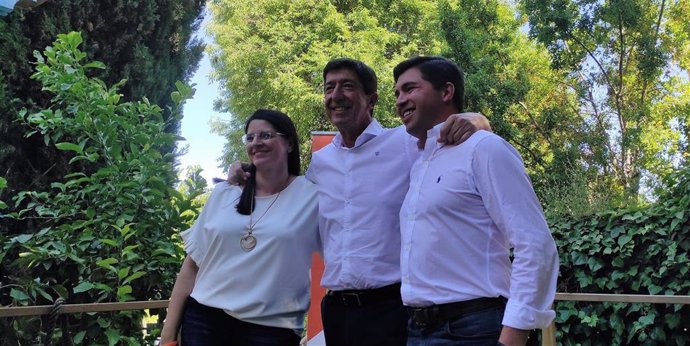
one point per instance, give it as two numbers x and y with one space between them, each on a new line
418 317
425 317
344 296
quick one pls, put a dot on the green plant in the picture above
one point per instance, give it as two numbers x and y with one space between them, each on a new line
628 251
108 230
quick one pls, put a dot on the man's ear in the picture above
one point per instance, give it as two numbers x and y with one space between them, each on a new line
373 98
448 92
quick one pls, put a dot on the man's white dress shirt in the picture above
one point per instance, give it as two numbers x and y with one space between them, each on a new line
467 205
360 193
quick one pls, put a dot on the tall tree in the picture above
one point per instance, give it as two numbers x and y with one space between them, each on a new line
627 64
270 53
509 78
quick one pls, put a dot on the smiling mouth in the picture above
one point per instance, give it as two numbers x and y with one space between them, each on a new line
406 115
339 108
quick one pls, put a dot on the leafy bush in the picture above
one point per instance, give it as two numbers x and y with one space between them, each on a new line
629 251
108 230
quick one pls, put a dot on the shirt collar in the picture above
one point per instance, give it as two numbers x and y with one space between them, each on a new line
373 129
432 136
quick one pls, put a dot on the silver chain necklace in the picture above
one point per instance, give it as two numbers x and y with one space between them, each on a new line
248 240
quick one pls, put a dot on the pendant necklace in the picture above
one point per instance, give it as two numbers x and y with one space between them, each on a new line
248 240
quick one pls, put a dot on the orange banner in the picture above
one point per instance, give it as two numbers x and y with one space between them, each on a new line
314 327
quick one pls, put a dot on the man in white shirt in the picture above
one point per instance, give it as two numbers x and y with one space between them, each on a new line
362 178
466 206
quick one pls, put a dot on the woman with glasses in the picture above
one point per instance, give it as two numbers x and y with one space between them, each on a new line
245 280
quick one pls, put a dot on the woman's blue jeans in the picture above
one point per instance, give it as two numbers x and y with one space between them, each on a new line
206 326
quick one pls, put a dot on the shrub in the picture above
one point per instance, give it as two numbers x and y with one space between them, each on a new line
628 251
108 230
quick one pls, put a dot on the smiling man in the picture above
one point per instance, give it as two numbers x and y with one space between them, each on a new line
362 177
466 206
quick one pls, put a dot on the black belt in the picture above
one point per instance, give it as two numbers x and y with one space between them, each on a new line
436 315
364 297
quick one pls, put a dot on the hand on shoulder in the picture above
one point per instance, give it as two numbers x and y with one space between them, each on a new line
461 126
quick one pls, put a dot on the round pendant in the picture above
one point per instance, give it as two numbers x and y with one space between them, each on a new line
248 242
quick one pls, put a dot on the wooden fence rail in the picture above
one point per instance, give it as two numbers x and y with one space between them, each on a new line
77 308
548 334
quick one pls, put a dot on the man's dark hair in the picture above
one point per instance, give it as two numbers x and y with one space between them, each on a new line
366 75
438 71
283 124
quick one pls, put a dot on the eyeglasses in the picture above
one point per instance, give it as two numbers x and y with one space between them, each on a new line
263 136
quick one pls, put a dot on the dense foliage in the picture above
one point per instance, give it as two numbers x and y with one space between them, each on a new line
509 79
270 53
627 251
147 42
584 148
108 227
627 66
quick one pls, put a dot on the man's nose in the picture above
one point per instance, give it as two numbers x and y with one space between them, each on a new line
400 100
337 92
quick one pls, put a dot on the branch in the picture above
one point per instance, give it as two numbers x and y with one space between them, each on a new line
645 83
531 153
591 55
621 120
534 122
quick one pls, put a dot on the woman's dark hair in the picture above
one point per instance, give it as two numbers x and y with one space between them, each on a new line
282 123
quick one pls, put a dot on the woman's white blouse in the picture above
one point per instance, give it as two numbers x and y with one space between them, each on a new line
268 285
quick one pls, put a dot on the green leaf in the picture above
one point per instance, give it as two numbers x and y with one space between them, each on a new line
675 223
134 276
3 183
672 320
79 337
83 287
61 291
110 242
594 264
113 336
95 64
122 272
106 263
624 239
123 290
22 238
647 319
654 289
636 216
69 146
18 295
